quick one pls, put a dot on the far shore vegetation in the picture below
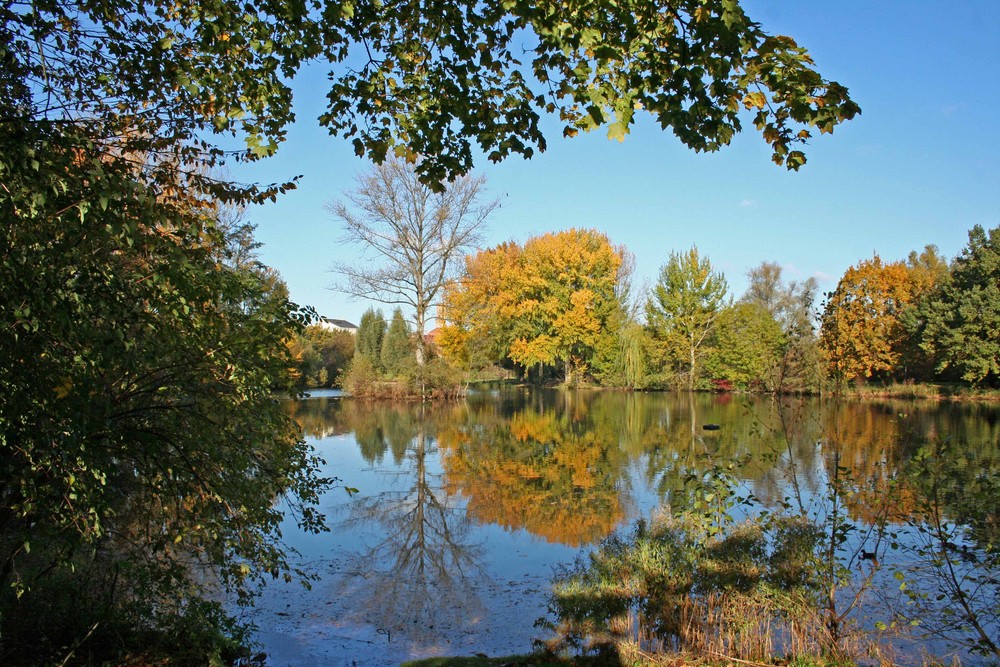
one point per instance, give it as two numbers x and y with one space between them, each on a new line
562 309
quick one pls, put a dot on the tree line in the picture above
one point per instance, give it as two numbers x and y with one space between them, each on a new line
920 319
561 307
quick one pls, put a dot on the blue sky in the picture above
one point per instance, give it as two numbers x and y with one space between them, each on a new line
919 166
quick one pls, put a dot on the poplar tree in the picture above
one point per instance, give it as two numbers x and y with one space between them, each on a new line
369 337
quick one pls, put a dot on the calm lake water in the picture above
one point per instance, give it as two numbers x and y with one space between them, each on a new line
464 510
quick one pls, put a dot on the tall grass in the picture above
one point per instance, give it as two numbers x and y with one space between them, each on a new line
924 390
673 586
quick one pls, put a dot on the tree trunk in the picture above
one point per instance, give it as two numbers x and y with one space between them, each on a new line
421 351
691 373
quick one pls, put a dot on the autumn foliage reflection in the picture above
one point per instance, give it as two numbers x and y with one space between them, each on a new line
560 464
543 472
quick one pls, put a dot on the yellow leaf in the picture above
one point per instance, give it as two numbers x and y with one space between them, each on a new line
62 391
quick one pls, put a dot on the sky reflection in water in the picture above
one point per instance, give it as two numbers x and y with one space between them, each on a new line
466 509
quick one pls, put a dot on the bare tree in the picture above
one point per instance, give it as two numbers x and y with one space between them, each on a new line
410 236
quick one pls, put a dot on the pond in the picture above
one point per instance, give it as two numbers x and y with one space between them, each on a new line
465 510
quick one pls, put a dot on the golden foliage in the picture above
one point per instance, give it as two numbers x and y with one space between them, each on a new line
862 334
545 303
538 473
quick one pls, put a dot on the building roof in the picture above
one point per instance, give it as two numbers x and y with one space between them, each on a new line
340 324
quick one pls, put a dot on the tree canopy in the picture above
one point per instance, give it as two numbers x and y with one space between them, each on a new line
962 317
683 308
435 79
791 306
547 303
862 334
397 346
140 355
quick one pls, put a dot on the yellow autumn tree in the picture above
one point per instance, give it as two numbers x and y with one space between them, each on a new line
481 308
546 304
862 334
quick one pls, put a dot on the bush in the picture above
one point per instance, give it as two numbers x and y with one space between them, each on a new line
361 379
64 622
435 379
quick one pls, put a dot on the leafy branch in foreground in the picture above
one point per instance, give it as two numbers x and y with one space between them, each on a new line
142 444
950 575
436 79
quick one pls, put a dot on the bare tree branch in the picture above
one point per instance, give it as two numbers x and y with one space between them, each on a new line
411 238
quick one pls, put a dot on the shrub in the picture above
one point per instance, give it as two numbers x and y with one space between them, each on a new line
435 379
360 378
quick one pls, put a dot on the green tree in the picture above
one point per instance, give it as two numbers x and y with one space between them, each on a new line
138 414
928 269
434 88
791 306
683 308
746 347
962 316
397 346
325 355
928 273
622 359
482 78
369 337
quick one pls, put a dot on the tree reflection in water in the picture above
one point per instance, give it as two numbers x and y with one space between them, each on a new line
421 576
571 467
557 473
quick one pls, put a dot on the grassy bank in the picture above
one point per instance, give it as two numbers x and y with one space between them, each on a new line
942 391
628 656
528 660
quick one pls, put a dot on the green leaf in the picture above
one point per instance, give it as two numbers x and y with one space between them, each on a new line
617 131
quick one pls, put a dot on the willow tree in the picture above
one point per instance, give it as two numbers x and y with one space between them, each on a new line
411 236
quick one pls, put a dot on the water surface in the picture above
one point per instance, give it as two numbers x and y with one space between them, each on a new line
464 510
